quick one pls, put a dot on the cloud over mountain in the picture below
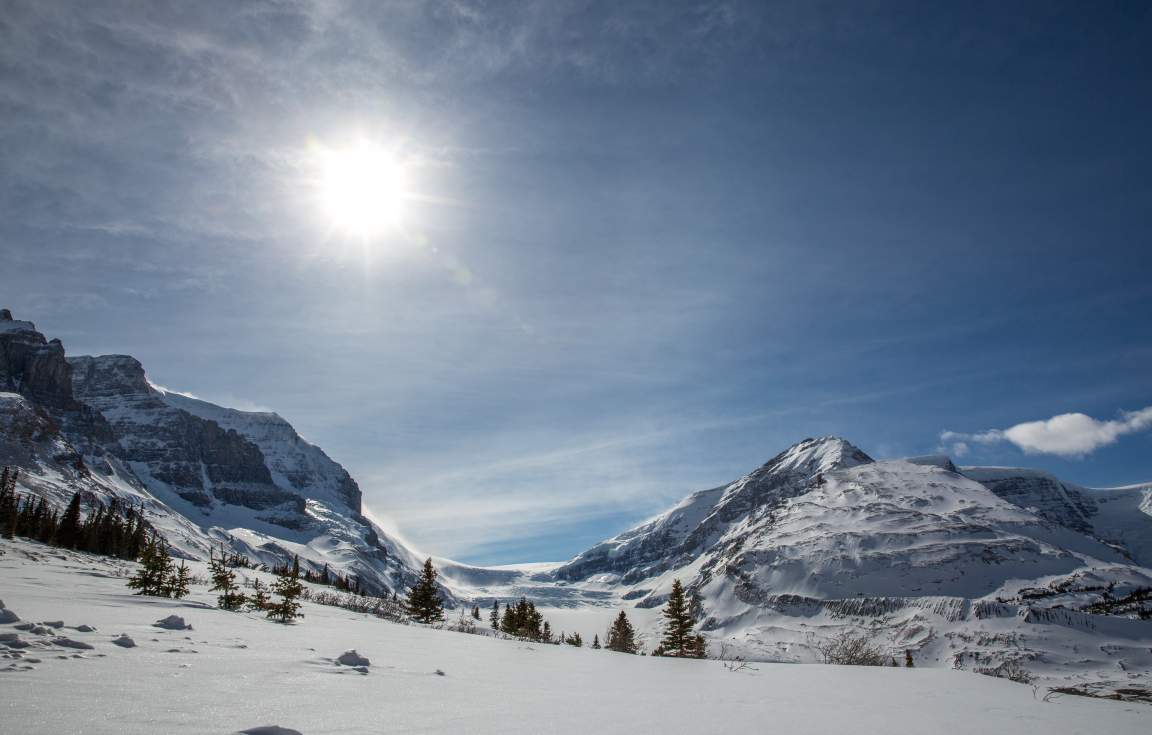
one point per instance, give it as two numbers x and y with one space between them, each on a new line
1066 435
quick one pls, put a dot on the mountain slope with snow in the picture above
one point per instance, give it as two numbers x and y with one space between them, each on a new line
822 539
204 475
1120 516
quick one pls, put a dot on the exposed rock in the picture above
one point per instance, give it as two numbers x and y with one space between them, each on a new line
351 658
70 643
172 622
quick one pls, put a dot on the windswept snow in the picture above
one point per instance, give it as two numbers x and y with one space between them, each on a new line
251 675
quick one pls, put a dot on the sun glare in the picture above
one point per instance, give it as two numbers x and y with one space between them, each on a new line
363 189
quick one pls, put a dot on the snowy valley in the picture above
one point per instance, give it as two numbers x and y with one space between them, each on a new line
1006 572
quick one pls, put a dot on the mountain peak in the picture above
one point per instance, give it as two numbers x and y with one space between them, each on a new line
817 455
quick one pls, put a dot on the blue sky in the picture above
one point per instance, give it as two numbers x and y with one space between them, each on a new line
650 244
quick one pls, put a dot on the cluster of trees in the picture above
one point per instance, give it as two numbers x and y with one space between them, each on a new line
288 588
522 620
325 577
116 530
158 575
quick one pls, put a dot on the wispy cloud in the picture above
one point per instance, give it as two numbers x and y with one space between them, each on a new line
1065 435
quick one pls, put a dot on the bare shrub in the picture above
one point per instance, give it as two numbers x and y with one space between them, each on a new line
731 661
1011 670
850 649
381 607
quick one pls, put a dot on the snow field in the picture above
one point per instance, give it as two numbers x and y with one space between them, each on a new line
233 672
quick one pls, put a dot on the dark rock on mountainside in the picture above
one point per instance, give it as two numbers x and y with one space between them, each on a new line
197 458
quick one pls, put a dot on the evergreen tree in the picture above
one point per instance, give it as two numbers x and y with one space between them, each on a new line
155 569
596 642
507 620
476 612
224 582
289 588
621 636
494 616
139 537
424 602
678 639
180 582
259 598
574 640
8 503
48 526
908 659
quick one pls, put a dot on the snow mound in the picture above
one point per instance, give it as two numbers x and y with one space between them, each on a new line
172 622
351 658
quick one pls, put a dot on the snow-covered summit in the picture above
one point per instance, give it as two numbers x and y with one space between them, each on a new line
700 520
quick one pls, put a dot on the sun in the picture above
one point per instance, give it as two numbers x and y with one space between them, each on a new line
363 189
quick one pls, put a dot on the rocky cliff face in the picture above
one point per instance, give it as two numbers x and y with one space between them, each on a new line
293 462
204 474
196 459
32 366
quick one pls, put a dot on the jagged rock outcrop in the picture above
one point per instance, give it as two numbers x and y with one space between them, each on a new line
33 366
196 459
203 474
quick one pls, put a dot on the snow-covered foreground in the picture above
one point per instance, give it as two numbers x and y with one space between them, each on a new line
232 672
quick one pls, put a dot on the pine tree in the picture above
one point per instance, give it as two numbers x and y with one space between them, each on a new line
476 612
596 642
621 636
424 602
8 503
259 598
678 639
574 640
68 533
139 537
180 582
155 569
494 616
224 582
908 659
289 588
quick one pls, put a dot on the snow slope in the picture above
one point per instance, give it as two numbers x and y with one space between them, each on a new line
1121 516
235 672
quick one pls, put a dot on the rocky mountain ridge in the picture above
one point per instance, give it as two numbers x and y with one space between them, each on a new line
205 474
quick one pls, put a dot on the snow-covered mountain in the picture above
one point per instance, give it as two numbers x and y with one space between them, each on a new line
205 474
977 569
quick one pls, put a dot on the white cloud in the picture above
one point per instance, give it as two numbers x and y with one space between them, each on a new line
1065 435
